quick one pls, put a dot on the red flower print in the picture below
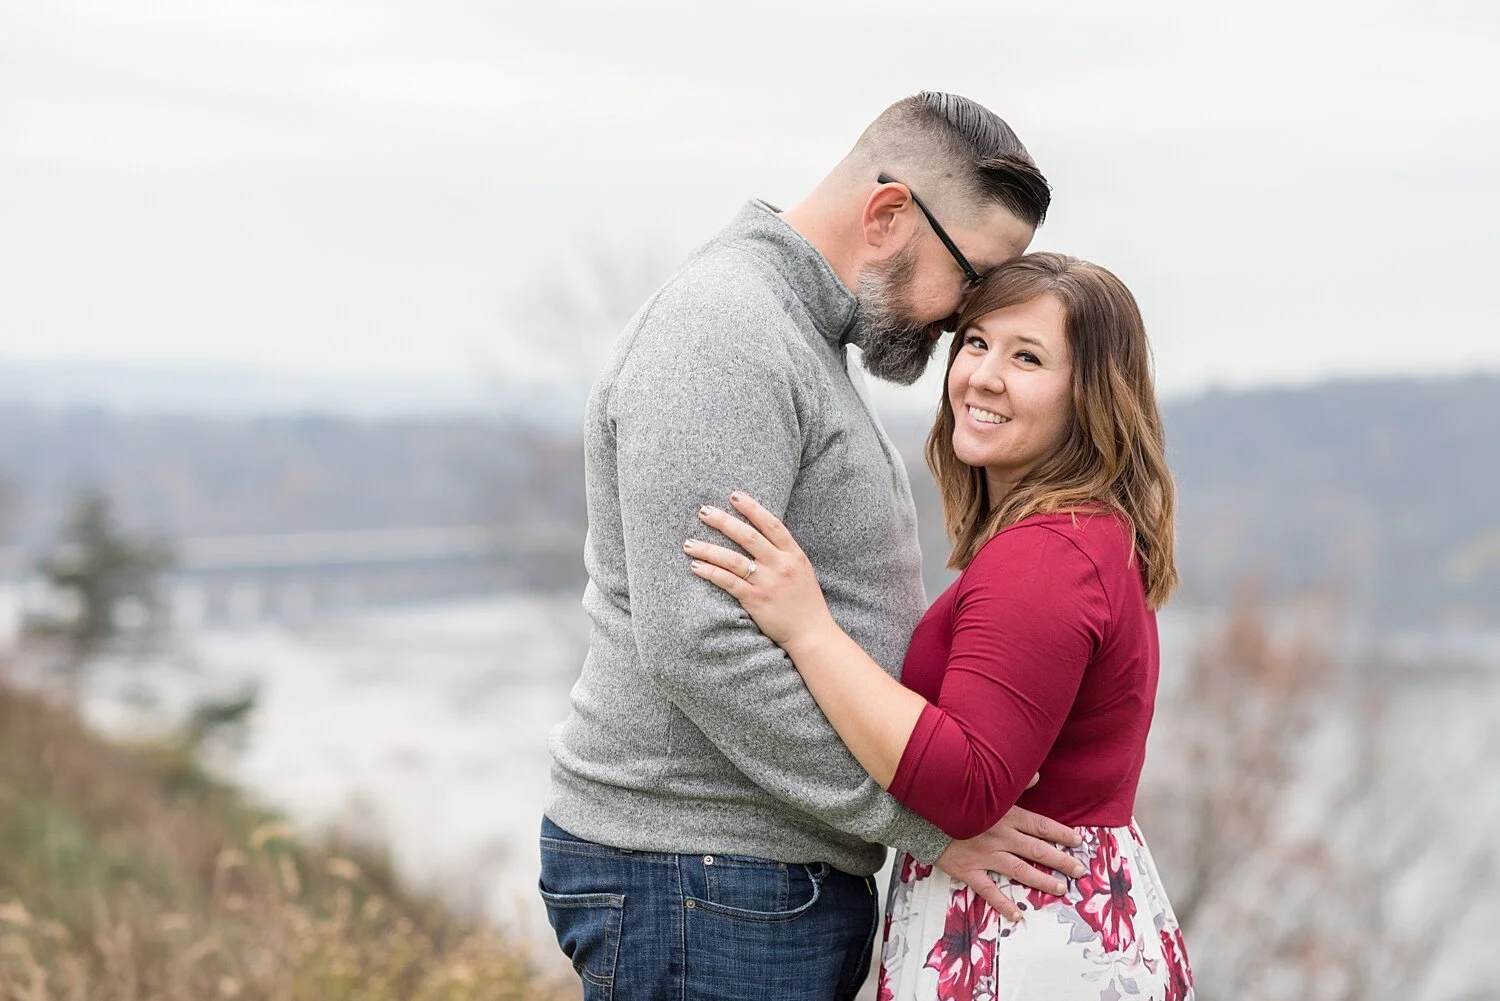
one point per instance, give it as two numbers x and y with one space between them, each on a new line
885 993
964 957
1107 905
1179 977
1040 898
912 870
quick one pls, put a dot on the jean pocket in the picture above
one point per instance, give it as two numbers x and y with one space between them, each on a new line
588 929
759 889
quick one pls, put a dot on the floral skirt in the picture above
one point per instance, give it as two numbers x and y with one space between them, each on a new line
1112 937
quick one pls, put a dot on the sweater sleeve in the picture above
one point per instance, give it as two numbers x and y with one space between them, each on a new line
1030 614
723 414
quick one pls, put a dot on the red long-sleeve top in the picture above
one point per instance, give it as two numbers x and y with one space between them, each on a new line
1042 656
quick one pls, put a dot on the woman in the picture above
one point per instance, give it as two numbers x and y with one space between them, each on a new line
1041 657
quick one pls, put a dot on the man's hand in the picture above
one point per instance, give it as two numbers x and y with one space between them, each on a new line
1009 848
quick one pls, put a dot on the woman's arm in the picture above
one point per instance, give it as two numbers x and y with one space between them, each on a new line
874 713
1029 615
871 711
1023 634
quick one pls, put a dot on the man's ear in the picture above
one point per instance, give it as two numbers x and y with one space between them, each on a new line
885 214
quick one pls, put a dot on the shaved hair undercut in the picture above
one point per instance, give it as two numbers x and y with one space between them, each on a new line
956 152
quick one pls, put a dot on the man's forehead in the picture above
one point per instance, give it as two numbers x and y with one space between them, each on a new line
1001 237
988 260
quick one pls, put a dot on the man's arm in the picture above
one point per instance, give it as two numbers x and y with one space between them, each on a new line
721 414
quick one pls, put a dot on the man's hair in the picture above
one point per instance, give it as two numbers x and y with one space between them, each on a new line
935 135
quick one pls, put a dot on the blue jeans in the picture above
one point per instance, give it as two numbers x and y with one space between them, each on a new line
650 925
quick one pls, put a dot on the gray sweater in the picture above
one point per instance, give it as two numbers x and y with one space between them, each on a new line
689 730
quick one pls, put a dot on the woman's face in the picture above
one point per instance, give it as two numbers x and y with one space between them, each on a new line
1011 387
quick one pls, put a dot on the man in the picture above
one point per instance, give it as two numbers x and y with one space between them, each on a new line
707 834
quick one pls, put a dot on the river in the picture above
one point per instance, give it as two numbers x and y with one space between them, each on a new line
424 729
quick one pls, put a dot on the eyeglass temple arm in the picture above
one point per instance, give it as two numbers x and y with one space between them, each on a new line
969 272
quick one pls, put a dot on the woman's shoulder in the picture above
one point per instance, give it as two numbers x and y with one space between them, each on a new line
1086 542
1048 561
1095 530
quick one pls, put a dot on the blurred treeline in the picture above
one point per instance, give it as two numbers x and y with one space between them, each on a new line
186 475
1386 493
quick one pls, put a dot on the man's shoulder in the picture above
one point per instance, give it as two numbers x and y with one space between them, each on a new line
720 311
722 290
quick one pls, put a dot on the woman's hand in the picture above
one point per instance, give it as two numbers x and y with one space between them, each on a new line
775 583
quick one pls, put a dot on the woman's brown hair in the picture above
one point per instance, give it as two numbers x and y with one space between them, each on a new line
1115 452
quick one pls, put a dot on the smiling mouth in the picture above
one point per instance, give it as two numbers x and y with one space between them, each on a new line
987 416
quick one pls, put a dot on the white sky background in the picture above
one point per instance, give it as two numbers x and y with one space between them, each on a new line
1294 190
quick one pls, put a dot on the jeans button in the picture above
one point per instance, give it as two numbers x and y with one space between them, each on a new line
708 860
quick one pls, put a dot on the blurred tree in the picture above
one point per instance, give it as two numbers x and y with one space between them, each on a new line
570 312
10 504
1311 851
527 470
104 572
223 721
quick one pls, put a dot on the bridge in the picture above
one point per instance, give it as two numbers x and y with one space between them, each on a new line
245 579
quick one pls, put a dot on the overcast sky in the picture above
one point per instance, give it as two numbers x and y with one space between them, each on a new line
1294 190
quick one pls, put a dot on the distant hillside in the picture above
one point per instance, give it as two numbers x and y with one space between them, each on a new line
237 392
1388 491
1385 493
207 476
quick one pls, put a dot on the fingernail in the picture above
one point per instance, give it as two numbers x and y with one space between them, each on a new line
697 566
736 496
689 544
1079 870
703 511
1059 888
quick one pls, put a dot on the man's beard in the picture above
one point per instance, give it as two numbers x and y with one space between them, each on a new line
894 349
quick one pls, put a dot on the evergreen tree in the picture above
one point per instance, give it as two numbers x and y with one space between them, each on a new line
101 567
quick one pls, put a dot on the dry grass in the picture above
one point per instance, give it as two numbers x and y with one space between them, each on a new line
126 874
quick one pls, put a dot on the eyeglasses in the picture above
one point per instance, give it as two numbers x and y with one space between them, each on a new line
972 278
